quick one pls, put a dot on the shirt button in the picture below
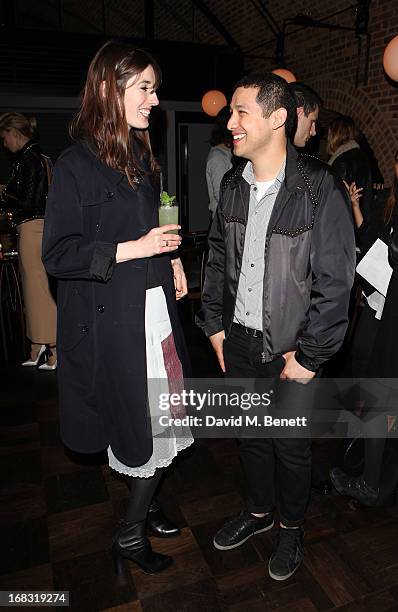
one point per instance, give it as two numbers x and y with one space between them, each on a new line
249 289
247 314
100 308
254 188
252 265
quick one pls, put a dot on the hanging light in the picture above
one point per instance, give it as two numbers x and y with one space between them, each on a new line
213 101
390 59
285 74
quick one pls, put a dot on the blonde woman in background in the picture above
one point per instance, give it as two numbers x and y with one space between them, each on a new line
26 194
349 161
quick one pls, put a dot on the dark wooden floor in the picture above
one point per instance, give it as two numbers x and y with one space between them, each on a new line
58 512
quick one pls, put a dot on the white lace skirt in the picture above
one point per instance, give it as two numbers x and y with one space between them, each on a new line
164 375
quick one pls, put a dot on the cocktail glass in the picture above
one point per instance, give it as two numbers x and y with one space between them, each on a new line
167 215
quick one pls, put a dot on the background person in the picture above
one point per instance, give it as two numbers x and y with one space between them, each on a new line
348 160
308 105
119 332
219 158
26 194
373 350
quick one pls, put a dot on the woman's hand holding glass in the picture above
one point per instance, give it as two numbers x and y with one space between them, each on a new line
156 242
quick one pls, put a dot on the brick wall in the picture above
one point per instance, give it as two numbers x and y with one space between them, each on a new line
327 60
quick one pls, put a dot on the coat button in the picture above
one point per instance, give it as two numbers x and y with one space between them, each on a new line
97 227
100 308
109 194
84 329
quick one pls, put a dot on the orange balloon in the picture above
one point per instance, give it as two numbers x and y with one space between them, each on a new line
285 74
390 59
213 101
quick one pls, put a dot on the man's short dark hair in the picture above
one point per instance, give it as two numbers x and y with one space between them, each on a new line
273 93
305 97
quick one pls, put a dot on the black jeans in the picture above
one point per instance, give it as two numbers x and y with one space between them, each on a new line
363 342
271 464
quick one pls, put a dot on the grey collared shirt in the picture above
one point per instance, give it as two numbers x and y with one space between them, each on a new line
249 299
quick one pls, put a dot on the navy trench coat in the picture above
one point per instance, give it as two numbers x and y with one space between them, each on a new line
101 305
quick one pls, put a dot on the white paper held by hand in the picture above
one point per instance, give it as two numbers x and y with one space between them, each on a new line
374 267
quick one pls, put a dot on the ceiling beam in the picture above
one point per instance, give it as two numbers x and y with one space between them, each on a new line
203 8
268 18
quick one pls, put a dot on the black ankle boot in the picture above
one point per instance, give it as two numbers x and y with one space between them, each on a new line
131 543
158 525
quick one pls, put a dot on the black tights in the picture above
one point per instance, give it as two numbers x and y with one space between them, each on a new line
141 493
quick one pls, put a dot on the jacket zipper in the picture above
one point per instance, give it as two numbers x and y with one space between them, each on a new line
270 229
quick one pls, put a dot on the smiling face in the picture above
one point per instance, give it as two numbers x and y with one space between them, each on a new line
251 131
139 98
306 126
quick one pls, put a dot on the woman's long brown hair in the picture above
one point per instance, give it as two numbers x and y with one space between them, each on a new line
101 117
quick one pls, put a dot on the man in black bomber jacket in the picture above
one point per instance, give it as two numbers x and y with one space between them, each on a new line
275 299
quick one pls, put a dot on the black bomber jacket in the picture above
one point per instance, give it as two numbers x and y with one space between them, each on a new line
309 261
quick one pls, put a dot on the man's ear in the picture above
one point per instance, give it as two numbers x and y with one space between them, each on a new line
278 118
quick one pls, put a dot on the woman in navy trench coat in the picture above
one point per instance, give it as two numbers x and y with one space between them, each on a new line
103 244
